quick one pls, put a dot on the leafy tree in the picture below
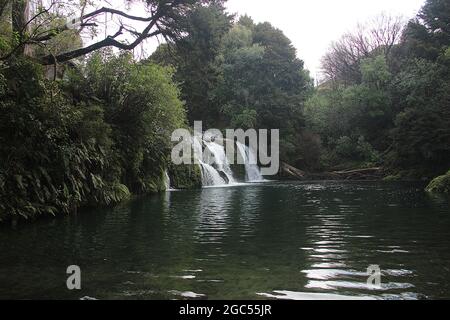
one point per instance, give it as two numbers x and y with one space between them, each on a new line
422 133
197 67
264 85
427 35
357 117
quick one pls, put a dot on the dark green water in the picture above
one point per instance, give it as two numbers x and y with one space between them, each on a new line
278 240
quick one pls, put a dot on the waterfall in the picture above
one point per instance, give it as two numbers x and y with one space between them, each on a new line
167 181
252 171
214 164
210 176
215 155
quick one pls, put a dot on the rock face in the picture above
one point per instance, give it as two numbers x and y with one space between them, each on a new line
440 184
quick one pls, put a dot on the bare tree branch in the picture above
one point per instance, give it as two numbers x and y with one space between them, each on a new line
163 19
379 36
109 41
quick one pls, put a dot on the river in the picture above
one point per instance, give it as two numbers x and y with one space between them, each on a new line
277 240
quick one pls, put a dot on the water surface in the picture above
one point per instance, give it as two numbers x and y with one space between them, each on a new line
281 240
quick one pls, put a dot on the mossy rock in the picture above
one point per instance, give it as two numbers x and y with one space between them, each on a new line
440 184
185 176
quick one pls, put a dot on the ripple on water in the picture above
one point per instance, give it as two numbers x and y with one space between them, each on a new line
325 274
291 295
340 284
187 294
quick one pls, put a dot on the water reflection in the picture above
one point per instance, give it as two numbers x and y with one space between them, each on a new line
335 243
273 240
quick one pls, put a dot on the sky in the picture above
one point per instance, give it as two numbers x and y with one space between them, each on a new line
313 24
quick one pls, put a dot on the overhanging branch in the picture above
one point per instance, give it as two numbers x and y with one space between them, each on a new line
111 41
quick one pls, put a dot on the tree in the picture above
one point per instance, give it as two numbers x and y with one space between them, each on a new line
422 132
199 67
164 18
435 15
429 33
196 57
264 84
420 93
379 36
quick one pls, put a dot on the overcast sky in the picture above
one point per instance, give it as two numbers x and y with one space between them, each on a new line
313 24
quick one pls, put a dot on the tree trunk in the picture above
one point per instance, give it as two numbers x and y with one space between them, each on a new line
20 16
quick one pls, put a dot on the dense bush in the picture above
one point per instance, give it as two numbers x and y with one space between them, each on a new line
87 139
142 106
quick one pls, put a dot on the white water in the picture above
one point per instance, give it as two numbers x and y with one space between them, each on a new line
252 171
210 176
167 181
215 155
215 167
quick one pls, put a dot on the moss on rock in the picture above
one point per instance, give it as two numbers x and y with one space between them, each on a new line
440 184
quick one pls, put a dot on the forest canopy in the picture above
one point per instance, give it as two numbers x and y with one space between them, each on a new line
88 123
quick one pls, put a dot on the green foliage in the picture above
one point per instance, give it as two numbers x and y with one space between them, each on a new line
398 114
5 29
354 120
263 84
50 160
89 139
422 132
196 60
185 176
142 105
245 120
246 76
422 139
375 72
352 148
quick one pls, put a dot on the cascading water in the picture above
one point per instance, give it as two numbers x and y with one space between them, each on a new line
167 181
216 169
252 171
215 155
210 176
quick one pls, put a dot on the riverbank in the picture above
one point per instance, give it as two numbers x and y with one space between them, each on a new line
289 172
